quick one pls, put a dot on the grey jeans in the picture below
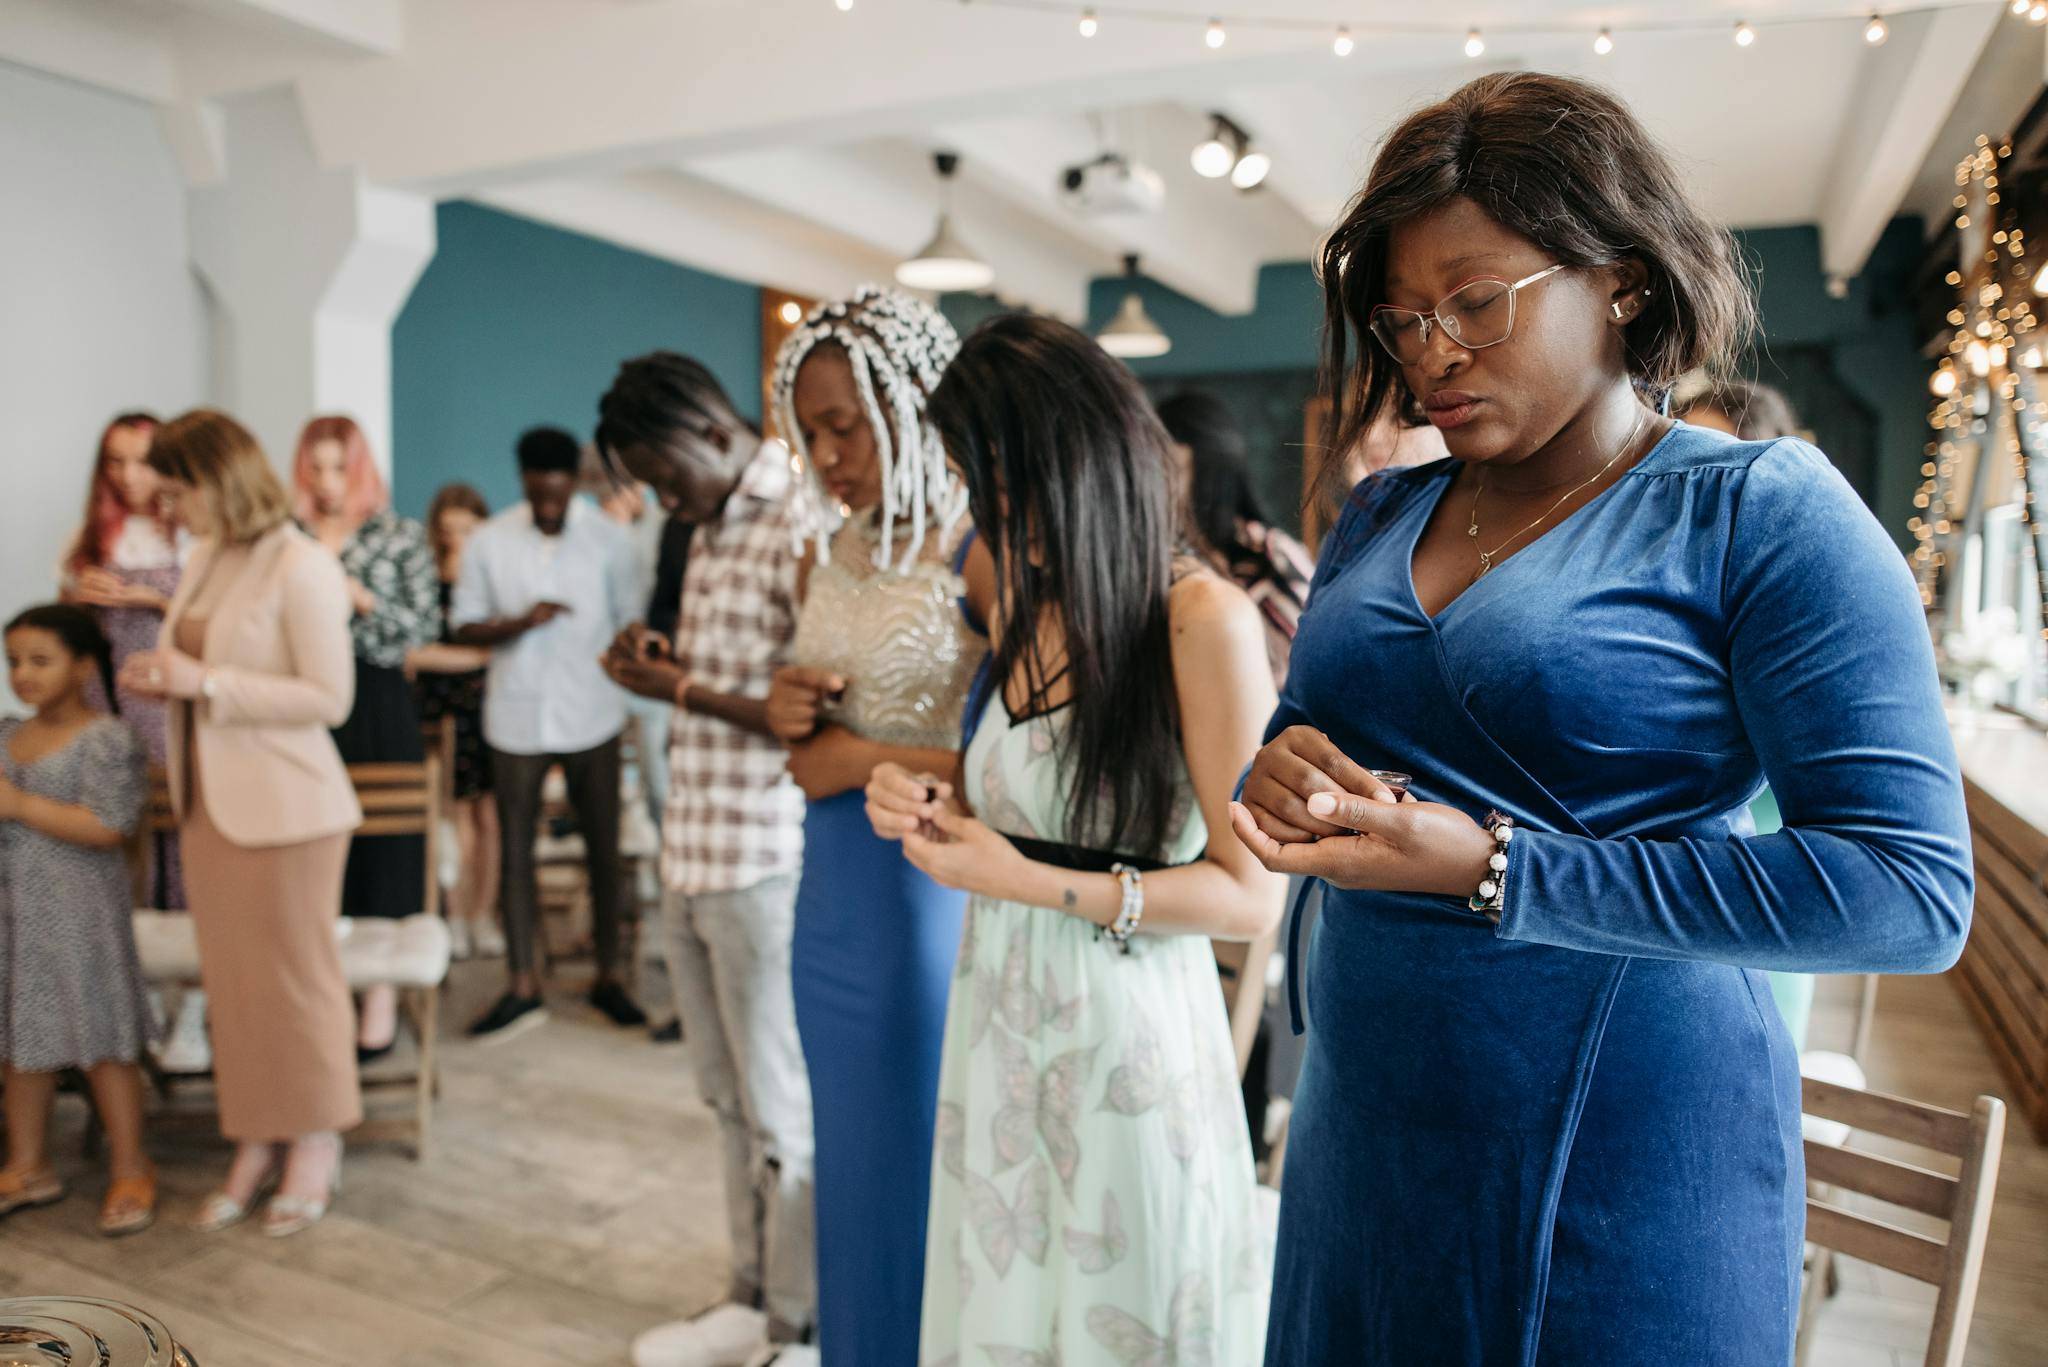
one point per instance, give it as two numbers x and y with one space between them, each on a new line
728 958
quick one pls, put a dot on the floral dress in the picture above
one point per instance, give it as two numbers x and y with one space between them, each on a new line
71 989
1093 1197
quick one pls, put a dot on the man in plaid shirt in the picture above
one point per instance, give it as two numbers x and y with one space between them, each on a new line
732 834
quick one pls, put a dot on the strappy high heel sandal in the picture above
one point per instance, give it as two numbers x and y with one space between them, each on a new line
221 1211
289 1215
130 1206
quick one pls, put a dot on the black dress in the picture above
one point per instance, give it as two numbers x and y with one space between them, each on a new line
388 555
460 696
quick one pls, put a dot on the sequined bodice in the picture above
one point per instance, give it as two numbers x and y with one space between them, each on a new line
899 638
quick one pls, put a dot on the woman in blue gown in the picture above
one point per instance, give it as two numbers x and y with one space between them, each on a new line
884 657
1549 1114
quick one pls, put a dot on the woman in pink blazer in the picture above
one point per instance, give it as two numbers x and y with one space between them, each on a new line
257 661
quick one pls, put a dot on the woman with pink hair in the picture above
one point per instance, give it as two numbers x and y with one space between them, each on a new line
339 497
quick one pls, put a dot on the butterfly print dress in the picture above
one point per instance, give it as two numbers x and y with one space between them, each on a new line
1092 1192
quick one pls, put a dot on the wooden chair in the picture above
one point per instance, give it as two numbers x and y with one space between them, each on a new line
1241 965
410 953
1952 1264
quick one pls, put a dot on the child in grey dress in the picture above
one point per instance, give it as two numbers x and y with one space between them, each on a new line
72 788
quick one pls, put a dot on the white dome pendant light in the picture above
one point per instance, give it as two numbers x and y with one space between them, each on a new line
945 263
1132 335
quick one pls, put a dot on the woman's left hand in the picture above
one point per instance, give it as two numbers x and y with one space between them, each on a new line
163 673
966 854
1399 847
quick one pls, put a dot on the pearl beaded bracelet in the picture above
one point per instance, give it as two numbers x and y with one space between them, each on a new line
1493 889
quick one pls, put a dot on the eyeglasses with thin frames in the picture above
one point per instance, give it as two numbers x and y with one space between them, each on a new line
1479 313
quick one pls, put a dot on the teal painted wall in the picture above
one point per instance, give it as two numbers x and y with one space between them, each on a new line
515 323
1851 366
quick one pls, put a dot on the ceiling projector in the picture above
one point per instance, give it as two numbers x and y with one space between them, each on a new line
1112 184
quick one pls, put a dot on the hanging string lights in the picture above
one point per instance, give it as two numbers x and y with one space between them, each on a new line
1875 29
1993 327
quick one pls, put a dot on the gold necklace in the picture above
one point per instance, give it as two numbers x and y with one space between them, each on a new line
1472 530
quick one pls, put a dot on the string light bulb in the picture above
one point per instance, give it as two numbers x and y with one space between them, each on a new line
1944 382
2038 14
2041 281
791 313
1342 44
1876 31
1603 42
1088 24
2021 6
1474 44
1744 34
1215 37
844 5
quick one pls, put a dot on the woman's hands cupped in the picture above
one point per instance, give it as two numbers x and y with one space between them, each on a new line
1293 767
1382 845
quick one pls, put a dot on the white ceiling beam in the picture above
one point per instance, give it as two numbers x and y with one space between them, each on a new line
362 27
95 42
1892 120
496 90
692 222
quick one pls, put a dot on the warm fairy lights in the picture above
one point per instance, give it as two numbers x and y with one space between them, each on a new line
1992 323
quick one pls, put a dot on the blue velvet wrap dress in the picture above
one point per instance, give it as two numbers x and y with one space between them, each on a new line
1573 1138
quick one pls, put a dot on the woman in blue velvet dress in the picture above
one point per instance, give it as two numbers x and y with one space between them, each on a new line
1549 1114
884 656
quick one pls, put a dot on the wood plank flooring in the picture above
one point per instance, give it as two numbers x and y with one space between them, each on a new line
573 1200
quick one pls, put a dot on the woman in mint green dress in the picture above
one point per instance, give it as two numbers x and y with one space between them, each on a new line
1092 1198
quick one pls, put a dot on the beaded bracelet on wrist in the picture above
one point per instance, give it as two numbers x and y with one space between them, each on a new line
1493 889
1131 911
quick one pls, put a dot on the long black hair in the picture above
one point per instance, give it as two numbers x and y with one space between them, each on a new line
1220 493
79 632
1068 477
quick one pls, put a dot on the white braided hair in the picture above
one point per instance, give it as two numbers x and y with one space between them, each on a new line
898 346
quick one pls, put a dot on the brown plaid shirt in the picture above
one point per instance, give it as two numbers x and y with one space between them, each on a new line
734 817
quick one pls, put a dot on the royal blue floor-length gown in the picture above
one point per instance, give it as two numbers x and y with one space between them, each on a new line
875 943
1573 1139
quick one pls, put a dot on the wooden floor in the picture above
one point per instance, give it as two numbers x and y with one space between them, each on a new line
573 1200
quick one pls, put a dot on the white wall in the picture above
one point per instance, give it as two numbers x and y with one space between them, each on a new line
100 310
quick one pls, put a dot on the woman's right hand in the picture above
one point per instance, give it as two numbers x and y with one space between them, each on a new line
796 697
1293 767
101 588
901 802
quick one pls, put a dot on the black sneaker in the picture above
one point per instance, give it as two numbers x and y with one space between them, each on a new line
611 999
672 1033
513 1015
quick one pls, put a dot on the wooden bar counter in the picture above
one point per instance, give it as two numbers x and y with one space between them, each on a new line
2003 976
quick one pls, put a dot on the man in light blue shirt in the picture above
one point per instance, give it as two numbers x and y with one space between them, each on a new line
546 585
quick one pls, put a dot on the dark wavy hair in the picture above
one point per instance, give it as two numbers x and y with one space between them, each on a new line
78 631
1220 493
1568 166
654 396
1069 478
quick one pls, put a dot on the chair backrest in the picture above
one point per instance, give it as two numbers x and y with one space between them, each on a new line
397 799
1242 968
1952 1264
405 799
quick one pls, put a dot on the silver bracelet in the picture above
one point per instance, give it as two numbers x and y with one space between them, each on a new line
1493 889
1132 910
